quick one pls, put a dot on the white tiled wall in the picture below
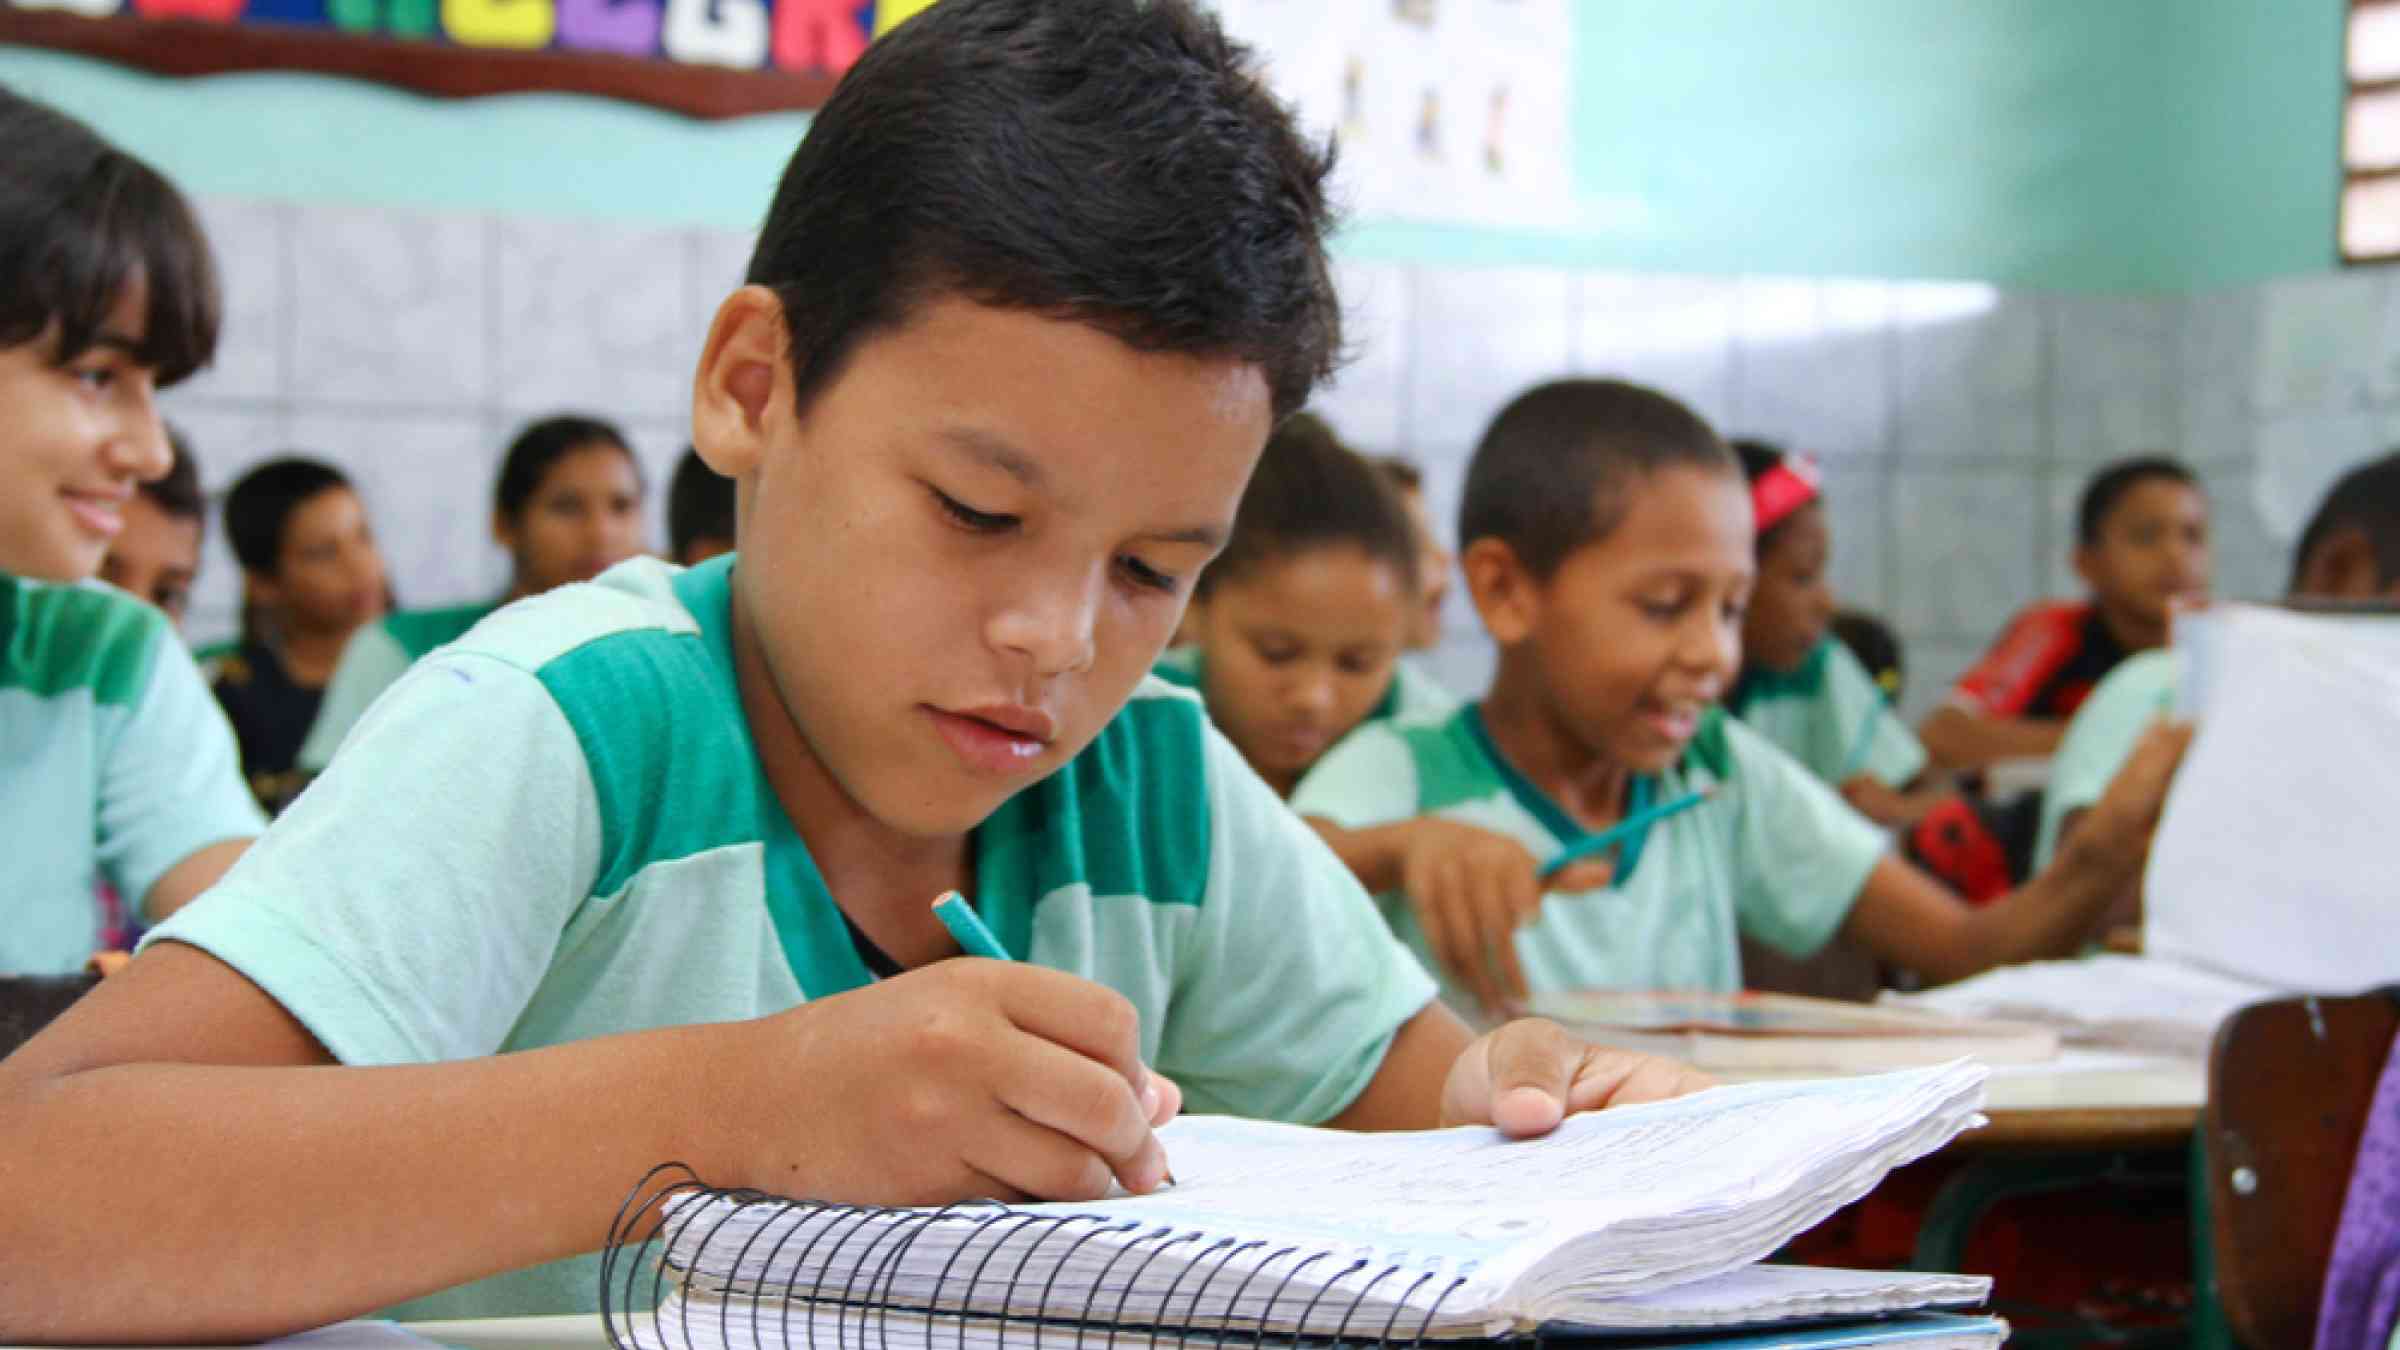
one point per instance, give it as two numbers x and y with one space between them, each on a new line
1956 422
407 348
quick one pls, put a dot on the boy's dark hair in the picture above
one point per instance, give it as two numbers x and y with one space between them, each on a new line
2366 499
1551 472
542 444
261 503
1310 491
699 504
1401 472
80 220
1113 162
178 494
1876 646
2109 486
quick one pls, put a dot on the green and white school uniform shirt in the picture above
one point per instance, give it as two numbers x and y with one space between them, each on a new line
115 765
2141 690
1412 696
1776 854
375 658
557 828
1818 712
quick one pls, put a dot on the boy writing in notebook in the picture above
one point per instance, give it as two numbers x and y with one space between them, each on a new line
2141 544
1036 285
1608 541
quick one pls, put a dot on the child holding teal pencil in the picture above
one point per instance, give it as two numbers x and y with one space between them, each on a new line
1610 549
618 877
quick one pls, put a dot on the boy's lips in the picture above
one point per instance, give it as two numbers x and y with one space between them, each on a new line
999 739
1674 723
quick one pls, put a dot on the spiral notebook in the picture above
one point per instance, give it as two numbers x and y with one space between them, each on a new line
1639 1219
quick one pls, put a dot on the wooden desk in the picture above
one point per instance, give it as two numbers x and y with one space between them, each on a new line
2090 1101
2087 1116
2083 1100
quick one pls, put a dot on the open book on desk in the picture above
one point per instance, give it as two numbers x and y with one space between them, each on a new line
1753 1032
1293 1233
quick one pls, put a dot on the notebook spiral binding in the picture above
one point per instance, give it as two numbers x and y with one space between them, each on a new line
673 1227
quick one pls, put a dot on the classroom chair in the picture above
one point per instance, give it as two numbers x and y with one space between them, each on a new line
2290 1084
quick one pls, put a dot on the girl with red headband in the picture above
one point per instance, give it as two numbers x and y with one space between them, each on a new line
1800 687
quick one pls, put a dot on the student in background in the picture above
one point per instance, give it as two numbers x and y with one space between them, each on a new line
312 575
567 507
1433 561
2350 551
1611 553
699 511
660 838
2141 544
1297 627
115 766
157 555
1800 687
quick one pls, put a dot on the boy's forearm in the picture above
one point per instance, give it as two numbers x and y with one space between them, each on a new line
1374 855
188 1202
1959 739
2056 913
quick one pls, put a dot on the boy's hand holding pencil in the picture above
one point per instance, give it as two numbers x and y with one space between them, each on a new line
958 1080
1472 890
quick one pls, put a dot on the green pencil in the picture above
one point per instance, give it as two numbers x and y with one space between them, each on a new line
1593 843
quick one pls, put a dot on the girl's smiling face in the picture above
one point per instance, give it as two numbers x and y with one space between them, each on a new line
81 434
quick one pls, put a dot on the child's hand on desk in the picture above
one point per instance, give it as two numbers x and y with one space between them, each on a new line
1529 1075
964 1079
1472 890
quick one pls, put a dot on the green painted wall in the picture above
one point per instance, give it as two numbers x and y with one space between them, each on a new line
2074 144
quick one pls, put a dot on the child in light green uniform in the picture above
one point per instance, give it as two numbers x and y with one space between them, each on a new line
1299 625
642 870
1609 549
115 765
2350 551
1774 854
567 506
1801 687
1152 863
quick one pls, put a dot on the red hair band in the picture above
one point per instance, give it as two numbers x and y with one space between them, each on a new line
1786 488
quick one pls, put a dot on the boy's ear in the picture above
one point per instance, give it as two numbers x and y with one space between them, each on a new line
1507 595
2087 565
743 390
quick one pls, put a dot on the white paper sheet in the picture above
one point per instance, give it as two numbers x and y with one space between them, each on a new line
2278 860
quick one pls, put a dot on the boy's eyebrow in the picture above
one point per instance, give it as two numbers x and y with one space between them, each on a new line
1205 535
996 452
1008 459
